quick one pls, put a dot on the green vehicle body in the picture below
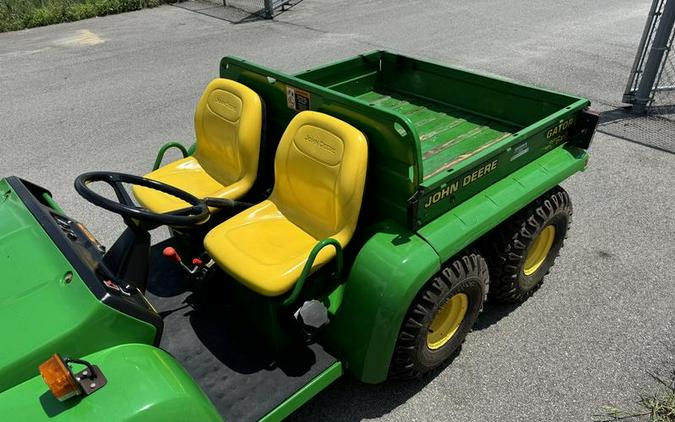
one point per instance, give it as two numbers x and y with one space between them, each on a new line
144 384
426 200
67 308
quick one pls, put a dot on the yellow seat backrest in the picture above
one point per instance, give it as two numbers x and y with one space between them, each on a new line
320 170
228 123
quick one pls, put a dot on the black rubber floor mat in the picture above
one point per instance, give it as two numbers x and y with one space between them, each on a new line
244 381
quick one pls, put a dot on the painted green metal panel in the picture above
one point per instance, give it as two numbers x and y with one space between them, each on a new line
463 122
393 264
458 228
445 133
511 102
305 394
59 316
144 384
441 193
386 275
342 71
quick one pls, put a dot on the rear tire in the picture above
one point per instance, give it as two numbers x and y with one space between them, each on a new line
449 303
524 248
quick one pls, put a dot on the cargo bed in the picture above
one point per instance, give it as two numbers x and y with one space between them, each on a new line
440 134
447 135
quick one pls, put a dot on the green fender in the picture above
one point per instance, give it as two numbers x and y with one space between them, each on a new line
386 275
144 384
394 263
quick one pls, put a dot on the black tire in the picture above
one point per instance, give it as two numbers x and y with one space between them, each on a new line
511 242
467 273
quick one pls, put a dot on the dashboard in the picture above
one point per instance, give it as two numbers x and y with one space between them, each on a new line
85 254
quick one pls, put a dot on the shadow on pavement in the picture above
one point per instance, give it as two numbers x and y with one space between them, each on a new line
234 12
654 130
493 313
364 401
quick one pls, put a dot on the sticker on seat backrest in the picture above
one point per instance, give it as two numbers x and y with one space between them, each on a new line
297 99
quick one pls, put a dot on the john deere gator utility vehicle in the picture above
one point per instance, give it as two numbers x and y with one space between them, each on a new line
352 219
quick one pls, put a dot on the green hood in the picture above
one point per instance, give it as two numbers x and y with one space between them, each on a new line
41 313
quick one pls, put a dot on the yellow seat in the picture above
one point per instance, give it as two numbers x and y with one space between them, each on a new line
320 170
228 122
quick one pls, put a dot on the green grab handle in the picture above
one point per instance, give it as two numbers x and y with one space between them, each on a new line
164 149
310 262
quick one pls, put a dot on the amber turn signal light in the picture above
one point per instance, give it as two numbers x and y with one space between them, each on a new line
59 378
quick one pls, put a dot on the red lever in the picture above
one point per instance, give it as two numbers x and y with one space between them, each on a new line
198 262
171 253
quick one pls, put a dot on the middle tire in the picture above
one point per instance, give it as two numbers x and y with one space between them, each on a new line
441 316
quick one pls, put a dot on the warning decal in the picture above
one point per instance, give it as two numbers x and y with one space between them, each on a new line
297 99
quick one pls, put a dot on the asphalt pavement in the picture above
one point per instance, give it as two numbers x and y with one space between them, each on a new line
105 93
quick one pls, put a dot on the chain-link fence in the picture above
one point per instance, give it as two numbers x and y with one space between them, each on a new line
237 11
651 85
663 97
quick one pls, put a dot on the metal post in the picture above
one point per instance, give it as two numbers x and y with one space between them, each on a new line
269 9
647 33
659 46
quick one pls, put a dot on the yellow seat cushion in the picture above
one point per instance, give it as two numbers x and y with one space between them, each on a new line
188 175
320 169
228 124
262 249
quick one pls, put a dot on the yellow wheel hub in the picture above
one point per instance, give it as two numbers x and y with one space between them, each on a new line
539 250
447 320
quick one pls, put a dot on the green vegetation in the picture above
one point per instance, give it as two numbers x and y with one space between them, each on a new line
658 406
20 14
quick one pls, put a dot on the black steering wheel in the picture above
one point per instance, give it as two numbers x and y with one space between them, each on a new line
197 212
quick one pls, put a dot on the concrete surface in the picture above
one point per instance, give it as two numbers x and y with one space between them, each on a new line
105 93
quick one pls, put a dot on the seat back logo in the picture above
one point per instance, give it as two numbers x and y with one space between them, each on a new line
224 103
321 144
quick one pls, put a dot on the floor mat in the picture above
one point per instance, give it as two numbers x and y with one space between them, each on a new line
212 343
